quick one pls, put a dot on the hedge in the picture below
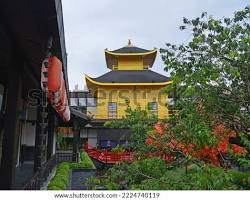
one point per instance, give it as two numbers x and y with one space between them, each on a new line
85 162
61 178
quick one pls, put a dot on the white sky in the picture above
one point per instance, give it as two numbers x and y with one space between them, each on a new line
93 25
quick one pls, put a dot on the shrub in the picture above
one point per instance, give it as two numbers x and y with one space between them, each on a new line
126 176
81 165
118 149
55 182
85 162
156 174
64 165
241 179
61 178
53 187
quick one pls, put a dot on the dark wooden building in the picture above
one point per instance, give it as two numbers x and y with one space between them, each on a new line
27 125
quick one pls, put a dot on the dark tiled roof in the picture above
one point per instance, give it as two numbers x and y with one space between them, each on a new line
78 114
132 76
132 49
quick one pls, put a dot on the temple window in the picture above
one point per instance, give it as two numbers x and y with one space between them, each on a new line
153 108
112 110
73 101
82 102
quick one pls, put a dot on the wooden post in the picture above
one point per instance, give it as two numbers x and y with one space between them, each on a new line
37 162
42 126
75 141
41 135
11 134
51 131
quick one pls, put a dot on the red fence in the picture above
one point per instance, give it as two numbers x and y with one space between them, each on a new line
110 157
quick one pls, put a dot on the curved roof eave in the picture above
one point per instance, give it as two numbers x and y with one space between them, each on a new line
125 84
130 54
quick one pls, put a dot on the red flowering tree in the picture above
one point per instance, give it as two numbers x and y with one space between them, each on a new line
169 143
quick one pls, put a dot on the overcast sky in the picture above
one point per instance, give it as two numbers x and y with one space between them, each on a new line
93 25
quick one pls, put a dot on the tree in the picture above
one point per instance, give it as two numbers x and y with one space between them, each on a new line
211 72
200 146
139 121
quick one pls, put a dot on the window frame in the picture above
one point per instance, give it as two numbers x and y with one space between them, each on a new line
153 108
91 102
112 110
76 101
82 102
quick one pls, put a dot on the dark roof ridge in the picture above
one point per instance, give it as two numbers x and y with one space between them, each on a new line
130 49
132 76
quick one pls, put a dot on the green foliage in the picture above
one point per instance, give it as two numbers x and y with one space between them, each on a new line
196 179
155 174
92 183
119 176
57 183
118 149
61 178
191 126
54 188
61 140
213 64
241 179
211 76
139 121
85 162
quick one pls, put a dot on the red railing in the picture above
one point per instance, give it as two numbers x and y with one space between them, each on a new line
109 157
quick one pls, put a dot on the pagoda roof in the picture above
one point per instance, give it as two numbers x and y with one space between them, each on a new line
131 49
131 76
148 56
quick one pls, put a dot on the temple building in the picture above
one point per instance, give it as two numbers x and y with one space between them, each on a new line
130 79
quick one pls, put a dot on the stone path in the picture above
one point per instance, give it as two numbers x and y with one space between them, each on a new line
78 178
23 174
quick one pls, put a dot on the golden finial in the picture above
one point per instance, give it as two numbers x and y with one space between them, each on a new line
129 43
